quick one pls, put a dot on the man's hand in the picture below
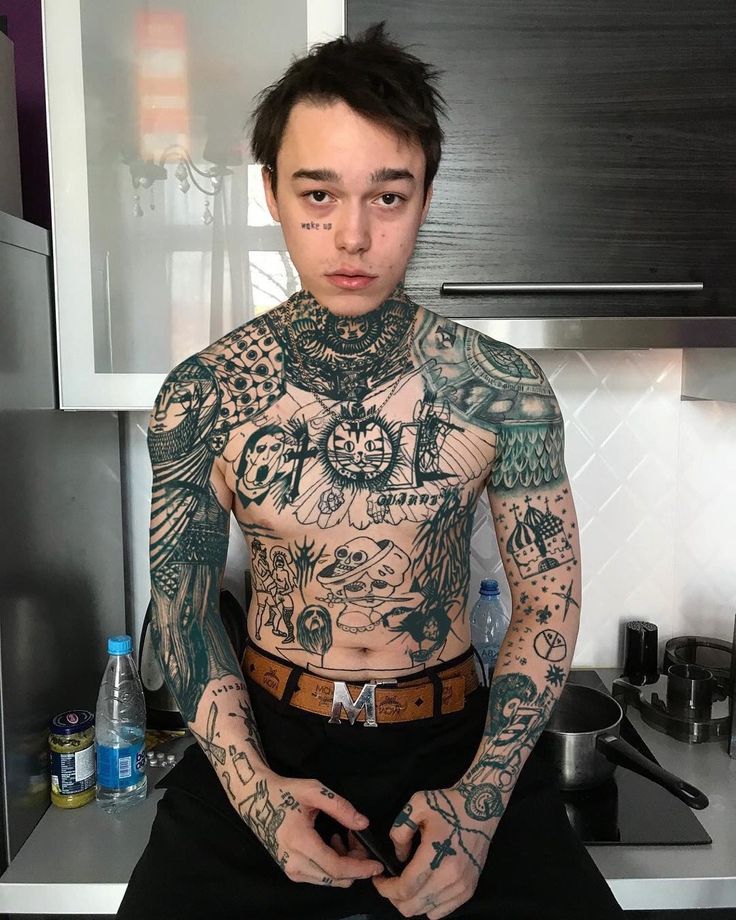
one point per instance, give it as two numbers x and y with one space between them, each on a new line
444 871
282 812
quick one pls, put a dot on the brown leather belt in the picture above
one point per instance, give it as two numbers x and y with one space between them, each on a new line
436 692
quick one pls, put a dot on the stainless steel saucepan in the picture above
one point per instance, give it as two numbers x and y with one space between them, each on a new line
582 741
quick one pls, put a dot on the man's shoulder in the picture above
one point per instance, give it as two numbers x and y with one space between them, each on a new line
243 370
251 348
491 358
488 381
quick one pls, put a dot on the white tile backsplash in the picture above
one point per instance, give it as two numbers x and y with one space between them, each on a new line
654 481
705 547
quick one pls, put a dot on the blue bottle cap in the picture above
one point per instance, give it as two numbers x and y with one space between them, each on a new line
489 586
119 645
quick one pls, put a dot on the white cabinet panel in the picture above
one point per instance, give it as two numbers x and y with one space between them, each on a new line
161 238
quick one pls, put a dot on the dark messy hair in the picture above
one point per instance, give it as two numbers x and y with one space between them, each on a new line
372 74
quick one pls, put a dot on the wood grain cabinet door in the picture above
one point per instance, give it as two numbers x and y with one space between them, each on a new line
586 142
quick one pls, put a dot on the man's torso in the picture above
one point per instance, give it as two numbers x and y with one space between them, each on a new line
355 452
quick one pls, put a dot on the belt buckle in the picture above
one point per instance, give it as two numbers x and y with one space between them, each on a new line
341 699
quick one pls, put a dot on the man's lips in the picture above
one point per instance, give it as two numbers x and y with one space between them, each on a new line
349 280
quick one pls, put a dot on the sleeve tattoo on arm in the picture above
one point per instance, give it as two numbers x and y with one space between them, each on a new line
189 535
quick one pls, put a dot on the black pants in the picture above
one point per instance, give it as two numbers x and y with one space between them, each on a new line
203 861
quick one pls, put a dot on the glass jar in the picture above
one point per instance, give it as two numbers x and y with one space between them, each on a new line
71 743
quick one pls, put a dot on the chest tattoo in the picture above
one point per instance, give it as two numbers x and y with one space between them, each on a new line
357 449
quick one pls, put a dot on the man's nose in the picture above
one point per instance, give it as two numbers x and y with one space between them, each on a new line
162 405
352 231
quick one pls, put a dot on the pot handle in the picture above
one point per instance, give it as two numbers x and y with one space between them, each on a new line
620 752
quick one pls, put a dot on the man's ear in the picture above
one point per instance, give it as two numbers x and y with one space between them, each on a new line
425 206
270 193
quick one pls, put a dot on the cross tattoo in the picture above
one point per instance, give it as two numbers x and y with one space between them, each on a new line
301 454
442 849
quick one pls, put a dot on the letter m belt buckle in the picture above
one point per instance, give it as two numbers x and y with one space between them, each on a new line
341 699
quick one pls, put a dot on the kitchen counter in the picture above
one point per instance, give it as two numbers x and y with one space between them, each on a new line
79 862
679 877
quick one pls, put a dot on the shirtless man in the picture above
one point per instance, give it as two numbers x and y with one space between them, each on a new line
351 432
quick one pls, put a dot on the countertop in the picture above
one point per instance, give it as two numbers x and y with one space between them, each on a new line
78 862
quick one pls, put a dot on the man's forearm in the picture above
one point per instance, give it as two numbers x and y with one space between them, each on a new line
532 668
205 678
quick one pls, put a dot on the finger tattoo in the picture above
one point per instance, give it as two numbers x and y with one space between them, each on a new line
404 819
326 879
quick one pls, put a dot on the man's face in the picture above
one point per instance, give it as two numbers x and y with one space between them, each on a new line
175 400
263 460
350 200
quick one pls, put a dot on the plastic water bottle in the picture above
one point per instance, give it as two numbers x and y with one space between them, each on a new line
489 621
120 730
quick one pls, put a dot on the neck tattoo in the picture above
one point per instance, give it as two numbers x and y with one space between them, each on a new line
346 358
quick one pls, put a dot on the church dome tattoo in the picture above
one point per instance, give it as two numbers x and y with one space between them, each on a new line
538 543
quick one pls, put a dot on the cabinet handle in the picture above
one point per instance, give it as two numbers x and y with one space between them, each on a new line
463 288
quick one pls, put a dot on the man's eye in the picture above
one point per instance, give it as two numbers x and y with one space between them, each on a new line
391 198
317 196
181 394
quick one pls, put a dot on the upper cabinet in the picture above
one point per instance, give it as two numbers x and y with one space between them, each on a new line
588 143
161 238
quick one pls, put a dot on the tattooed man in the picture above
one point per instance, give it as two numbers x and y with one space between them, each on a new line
350 433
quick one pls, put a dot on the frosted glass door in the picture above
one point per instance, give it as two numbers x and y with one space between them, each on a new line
162 241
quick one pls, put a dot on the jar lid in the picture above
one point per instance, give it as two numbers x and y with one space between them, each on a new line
72 721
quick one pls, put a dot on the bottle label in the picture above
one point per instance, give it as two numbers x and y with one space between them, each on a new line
119 768
72 773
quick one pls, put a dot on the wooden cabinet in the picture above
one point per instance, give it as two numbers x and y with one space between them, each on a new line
586 142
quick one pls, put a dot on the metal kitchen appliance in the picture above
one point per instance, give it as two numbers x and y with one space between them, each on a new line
713 654
690 701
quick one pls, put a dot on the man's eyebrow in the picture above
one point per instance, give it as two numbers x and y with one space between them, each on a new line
316 175
387 174
384 174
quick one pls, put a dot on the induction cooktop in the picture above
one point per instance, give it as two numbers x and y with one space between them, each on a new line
629 809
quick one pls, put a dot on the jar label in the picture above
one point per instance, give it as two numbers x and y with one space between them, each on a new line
72 773
119 768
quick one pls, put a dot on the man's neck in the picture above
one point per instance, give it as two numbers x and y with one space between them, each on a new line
345 357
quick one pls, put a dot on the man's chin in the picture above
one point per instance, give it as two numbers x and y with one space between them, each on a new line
353 303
